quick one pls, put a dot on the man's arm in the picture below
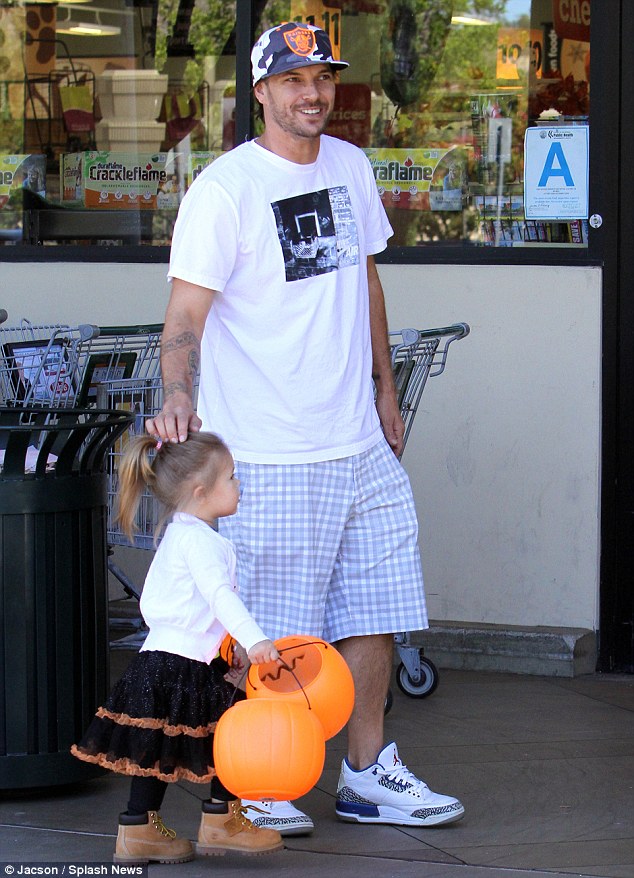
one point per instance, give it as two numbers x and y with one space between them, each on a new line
386 400
185 318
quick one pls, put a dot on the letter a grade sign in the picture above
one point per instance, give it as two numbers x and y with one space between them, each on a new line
556 172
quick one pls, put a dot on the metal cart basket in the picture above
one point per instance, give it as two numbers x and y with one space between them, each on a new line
62 366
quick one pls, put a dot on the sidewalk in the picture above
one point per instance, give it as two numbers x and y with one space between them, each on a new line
544 767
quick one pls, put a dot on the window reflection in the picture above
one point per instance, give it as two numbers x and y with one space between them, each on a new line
440 94
117 105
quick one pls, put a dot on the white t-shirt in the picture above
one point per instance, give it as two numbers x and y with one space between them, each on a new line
190 598
286 357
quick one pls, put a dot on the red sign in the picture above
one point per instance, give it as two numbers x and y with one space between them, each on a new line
350 118
572 19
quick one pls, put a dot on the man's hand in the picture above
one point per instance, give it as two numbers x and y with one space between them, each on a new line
386 401
391 421
176 419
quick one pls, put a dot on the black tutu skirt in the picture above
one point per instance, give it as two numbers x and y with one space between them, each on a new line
160 718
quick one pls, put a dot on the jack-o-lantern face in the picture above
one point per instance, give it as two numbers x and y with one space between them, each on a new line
315 675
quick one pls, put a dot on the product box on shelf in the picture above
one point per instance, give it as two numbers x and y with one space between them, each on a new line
197 162
21 172
118 180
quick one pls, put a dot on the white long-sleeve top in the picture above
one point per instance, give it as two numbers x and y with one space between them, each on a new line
190 597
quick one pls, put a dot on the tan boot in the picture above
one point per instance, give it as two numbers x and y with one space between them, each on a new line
145 839
224 827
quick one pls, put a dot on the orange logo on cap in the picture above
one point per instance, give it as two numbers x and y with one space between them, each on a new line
300 41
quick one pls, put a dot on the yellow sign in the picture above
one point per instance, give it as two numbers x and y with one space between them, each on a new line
519 52
314 12
420 179
21 172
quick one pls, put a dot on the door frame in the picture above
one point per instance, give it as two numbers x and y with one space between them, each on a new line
612 196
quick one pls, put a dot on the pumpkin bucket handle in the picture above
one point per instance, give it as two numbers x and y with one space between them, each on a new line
286 668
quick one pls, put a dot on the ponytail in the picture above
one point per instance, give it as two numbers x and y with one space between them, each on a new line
135 474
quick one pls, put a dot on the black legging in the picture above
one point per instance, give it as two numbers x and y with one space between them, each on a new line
147 793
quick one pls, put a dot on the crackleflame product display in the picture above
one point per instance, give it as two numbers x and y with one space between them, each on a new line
119 180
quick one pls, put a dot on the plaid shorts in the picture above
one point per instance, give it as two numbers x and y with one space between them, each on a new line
329 549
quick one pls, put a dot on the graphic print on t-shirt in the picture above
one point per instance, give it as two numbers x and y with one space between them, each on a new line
317 232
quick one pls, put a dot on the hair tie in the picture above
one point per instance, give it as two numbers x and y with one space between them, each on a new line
159 444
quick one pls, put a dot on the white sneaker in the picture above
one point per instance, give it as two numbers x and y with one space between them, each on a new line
283 816
387 792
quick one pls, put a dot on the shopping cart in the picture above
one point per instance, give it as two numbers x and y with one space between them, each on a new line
56 365
417 354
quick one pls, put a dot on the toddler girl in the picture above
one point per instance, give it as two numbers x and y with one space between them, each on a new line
157 725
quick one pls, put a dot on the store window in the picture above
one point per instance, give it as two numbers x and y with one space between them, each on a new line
108 110
473 113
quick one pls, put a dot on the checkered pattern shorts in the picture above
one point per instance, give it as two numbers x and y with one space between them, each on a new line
329 549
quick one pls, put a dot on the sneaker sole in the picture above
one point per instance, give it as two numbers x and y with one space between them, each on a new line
381 814
284 829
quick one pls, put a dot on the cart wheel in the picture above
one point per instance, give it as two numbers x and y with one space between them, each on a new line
425 686
389 701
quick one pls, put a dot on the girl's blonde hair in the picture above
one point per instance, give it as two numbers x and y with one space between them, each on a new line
171 471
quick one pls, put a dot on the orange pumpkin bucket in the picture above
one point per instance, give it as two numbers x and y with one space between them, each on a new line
269 749
317 677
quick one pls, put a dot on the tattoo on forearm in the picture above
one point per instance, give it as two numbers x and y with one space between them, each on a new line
179 341
193 360
174 387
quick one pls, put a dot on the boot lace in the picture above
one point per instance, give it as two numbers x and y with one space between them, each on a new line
157 821
238 820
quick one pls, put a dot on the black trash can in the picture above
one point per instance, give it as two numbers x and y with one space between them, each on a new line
54 661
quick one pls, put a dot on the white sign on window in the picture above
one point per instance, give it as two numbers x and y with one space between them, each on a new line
556 172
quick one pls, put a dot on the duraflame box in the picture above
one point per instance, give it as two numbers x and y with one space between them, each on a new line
117 180
21 172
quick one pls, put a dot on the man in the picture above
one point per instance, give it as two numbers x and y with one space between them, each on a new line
274 287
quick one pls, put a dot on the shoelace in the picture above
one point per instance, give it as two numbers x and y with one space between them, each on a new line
402 775
254 808
157 820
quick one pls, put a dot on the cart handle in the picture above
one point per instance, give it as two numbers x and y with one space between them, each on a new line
89 332
147 329
409 338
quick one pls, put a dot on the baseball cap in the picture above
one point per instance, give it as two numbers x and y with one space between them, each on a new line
289 46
